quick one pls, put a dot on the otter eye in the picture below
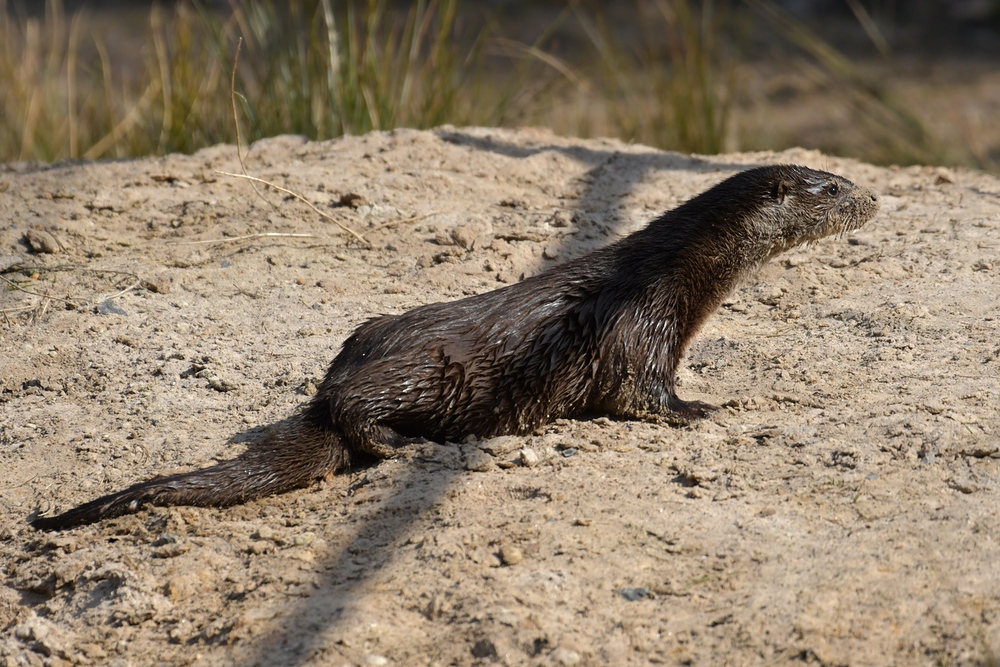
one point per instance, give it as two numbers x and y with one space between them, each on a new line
833 190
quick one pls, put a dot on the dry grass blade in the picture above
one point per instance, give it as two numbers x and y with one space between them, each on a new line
38 309
20 288
245 237
302 199
236 123
869 26
393 223
893 126
532 51
122 292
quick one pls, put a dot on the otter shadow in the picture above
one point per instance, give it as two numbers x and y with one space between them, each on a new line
420 484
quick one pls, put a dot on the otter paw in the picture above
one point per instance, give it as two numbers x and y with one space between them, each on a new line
684 412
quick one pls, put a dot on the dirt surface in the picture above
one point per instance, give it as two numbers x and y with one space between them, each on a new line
841 509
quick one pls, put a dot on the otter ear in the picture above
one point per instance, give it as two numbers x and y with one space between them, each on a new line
781 189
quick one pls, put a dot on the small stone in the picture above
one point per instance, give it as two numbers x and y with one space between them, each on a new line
108 307
560 219
565 656
472 236
93 651
157 284
304 539
171 550
529 459
633 594
484 648
265 532
502 445
464 236
181 632
479 461
436 608
220 384
352 199
376 660
180 587
510 555
42 242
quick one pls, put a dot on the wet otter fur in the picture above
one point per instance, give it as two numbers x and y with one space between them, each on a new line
602 334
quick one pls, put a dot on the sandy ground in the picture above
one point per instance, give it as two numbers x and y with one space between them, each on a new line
842 509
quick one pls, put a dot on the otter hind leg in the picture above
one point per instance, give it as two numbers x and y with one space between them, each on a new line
378 439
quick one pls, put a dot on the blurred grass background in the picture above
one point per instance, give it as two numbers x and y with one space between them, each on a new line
691 76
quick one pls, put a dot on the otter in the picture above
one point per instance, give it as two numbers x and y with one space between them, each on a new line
599 335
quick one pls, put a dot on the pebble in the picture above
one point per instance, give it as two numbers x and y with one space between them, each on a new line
529 458
560 219
304 539
42 242
565 656
633 594
108 307
182 586
181 632
376 660
479 461
436 608
484 648
171 550
259 547
510 555
157 284
501 445
220 384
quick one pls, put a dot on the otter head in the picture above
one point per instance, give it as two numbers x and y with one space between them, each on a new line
807 205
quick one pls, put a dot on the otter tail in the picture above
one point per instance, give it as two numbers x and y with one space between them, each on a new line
292 456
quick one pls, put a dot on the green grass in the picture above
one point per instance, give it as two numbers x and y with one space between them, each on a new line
324 68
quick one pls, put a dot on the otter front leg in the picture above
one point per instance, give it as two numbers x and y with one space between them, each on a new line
687 411
677 412
667 407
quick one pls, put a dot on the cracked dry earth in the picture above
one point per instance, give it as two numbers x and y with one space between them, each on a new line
843 508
